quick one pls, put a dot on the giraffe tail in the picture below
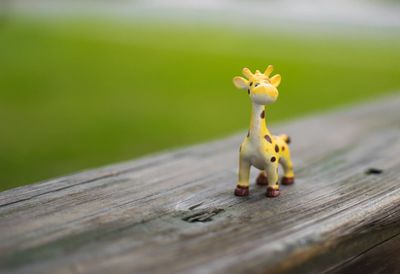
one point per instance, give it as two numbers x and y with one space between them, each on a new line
286 138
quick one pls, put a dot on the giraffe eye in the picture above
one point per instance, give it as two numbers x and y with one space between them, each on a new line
256 85
251 83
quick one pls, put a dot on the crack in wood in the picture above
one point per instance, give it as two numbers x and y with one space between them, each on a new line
195 206
372 171
203 215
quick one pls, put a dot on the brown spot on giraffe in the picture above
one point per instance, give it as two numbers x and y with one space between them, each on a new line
273 159
268 138
287 139
283 148
262 114
276 148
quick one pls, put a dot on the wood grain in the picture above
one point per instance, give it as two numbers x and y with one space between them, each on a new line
175 212
381 258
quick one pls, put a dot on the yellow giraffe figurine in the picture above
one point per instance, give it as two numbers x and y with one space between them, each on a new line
259 148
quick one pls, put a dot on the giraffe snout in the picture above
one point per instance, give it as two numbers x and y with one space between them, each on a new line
267 89
267 92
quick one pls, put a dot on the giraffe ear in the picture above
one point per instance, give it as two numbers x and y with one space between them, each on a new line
240 82
275 80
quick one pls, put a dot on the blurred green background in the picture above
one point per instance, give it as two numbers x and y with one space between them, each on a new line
76 94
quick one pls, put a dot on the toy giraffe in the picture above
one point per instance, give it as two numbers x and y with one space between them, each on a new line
259 148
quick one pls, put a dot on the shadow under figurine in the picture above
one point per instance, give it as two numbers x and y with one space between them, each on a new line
261 149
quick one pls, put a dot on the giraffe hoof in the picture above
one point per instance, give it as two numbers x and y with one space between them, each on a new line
287 181
271 193
262 180
242 191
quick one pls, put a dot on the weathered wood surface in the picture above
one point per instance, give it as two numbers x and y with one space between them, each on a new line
176 213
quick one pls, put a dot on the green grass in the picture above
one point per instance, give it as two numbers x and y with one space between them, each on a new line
78 94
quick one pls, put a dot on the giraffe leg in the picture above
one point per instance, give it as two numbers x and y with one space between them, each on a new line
288 177
262 179
242 188
273 184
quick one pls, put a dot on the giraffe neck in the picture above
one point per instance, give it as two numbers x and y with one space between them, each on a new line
258 126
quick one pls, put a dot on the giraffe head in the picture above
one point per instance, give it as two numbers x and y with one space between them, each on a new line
261 88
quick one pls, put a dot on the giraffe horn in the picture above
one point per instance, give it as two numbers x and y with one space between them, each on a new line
246 72
269 70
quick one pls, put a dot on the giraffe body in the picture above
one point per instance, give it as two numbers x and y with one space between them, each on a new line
260 148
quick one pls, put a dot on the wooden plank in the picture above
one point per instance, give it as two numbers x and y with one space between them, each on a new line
382 258
175 212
